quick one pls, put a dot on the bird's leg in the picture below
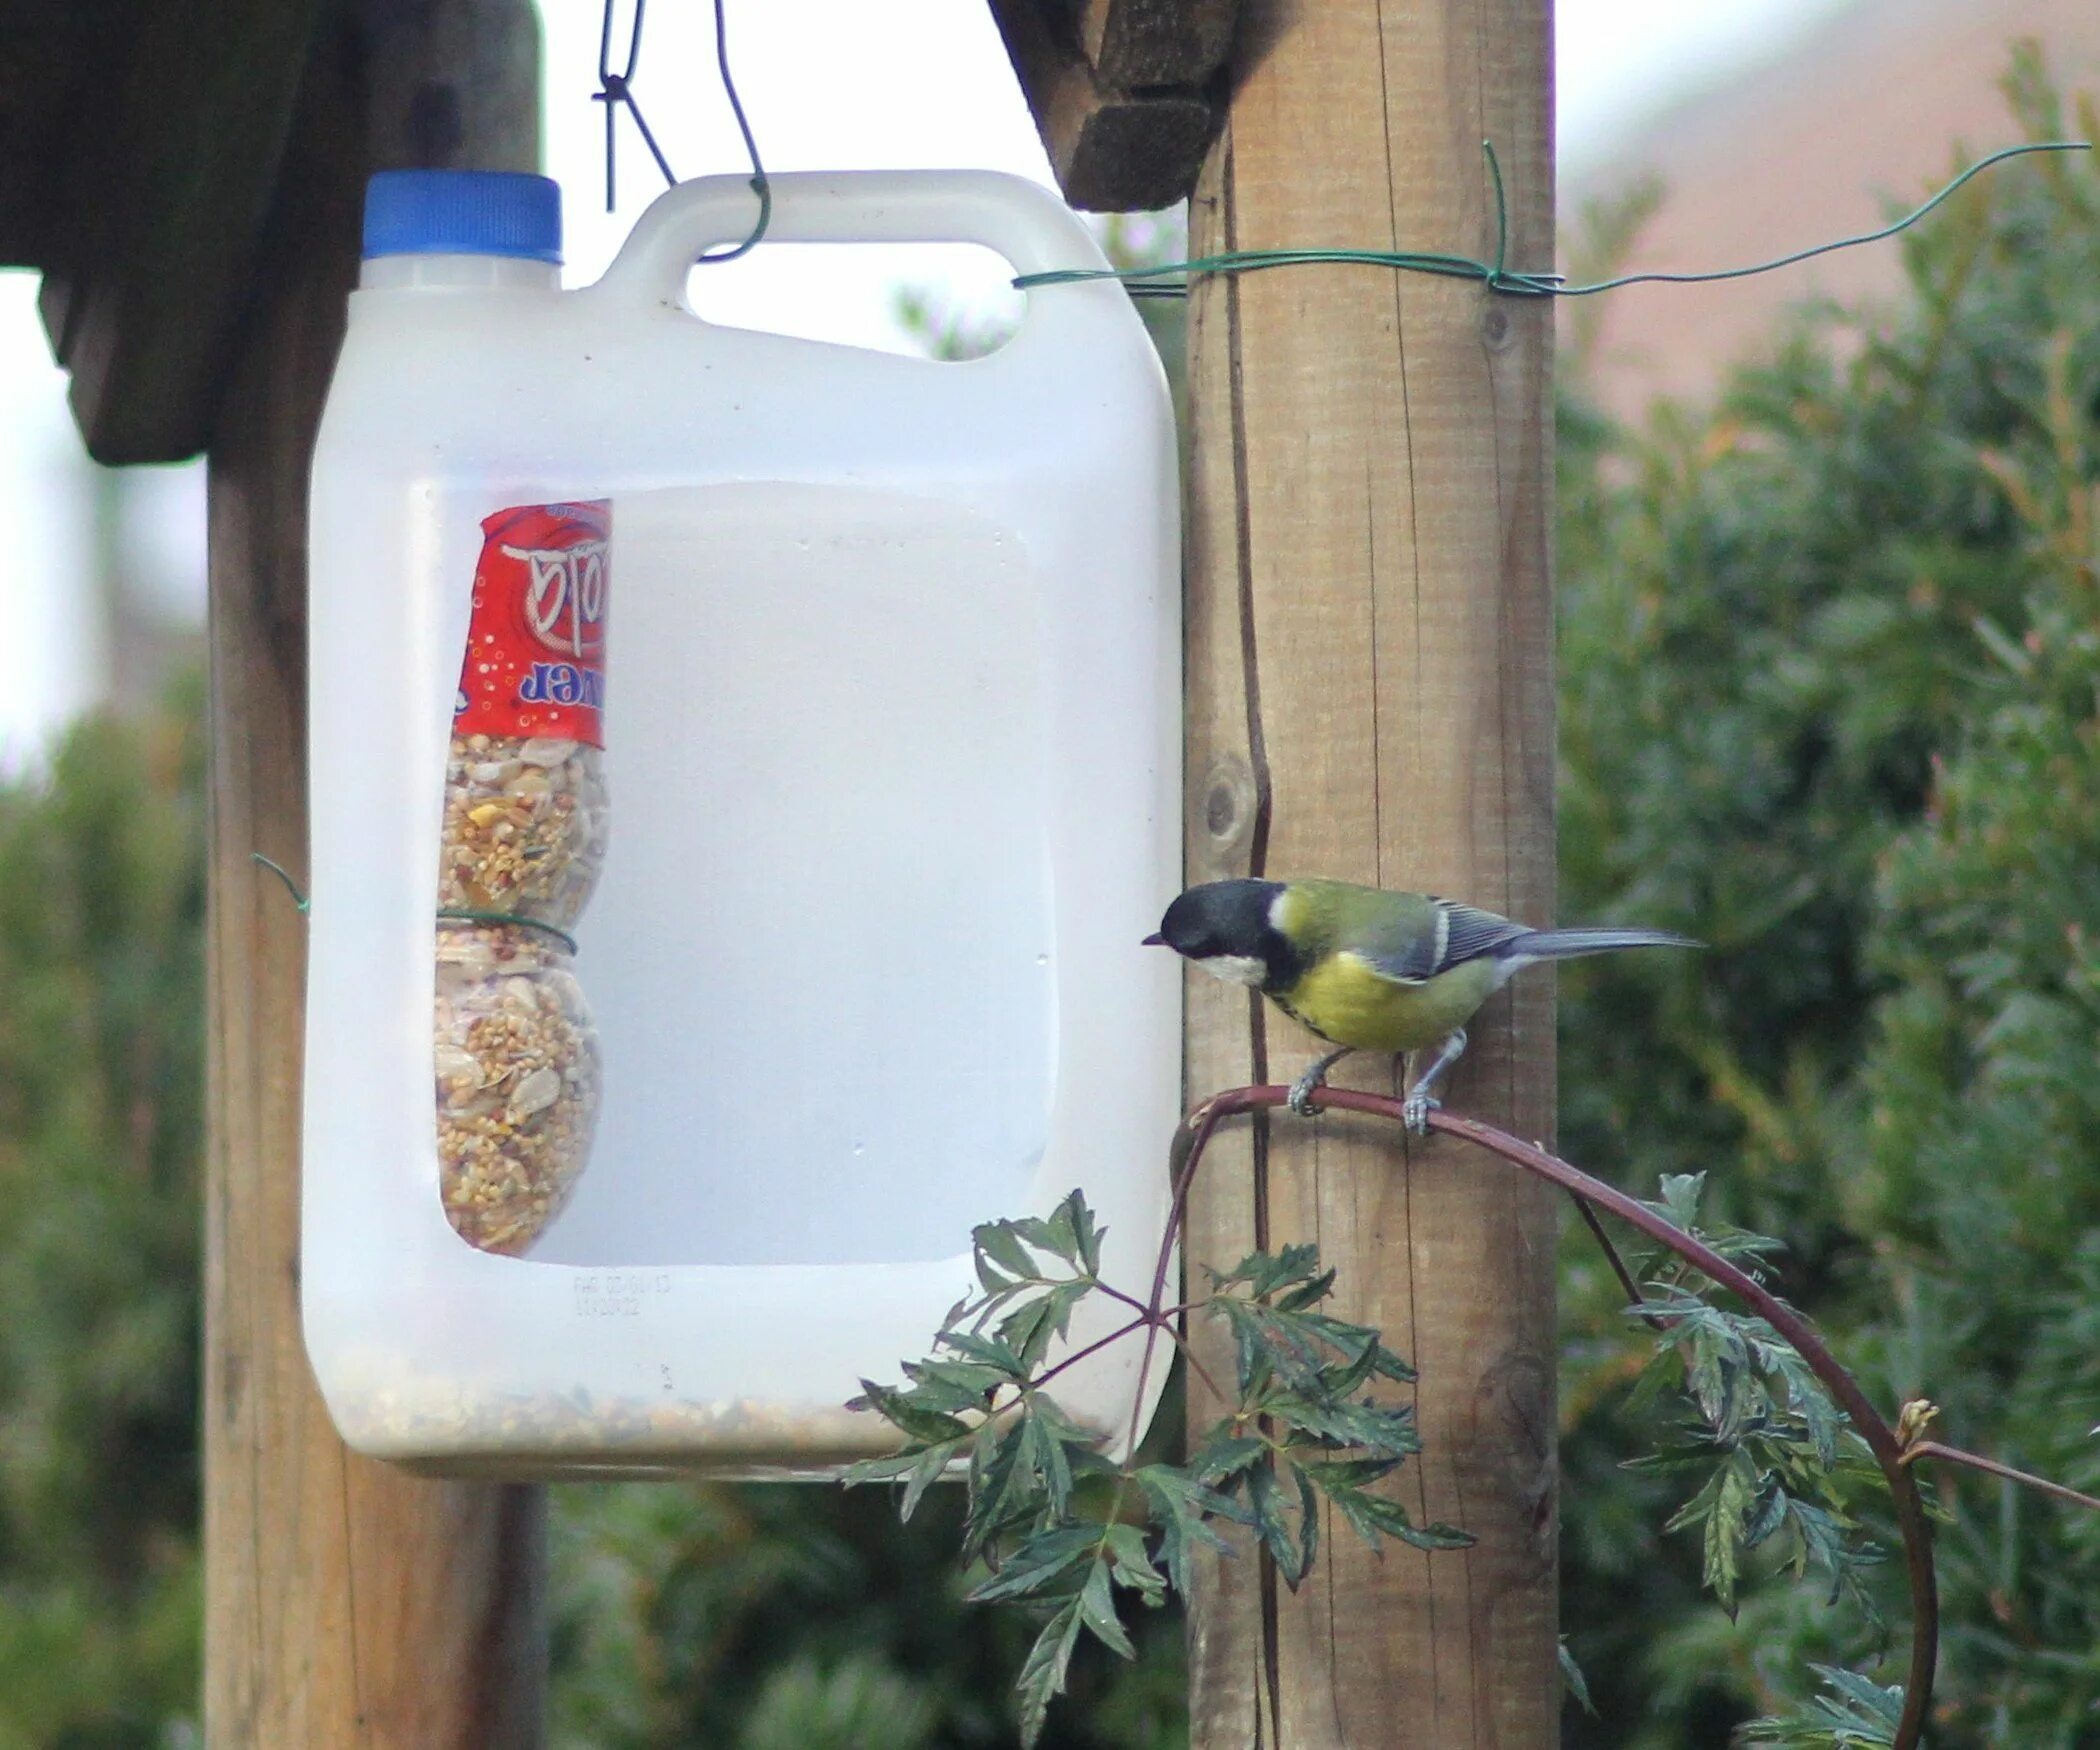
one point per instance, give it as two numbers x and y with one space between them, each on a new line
1420 1102
1303 1088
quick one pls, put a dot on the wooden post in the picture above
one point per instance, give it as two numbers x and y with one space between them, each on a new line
345 1602
1370 668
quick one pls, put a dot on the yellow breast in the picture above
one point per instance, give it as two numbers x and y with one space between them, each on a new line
1343 999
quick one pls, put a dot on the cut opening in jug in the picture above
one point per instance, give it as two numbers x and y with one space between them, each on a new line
946 301
807 877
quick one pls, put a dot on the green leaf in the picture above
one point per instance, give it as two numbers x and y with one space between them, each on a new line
997 1484
1040 1320
1194 1494
952 1385
1668 1461
1181 1508
1350 1341
1266 1500
1249 1352
1663 1370
1087 1235
1383 1430
902 1412
1133 1563
1724 1528
1435 1535
1224 1456
1000 1241
1295 1345
989 1351
932 1466
2005 648
1273 1513
880 1470
1356 1473
1860 1715
1679 1204
1045 1455
1701 1505
1377 1517
1308 1524
1767 1513
1263 1273
1043 1672
1810 1399
1867 1698
1823 1543
1097 1609
1339 1379
1267 1342
1307 1293
1573 1681
1069 1233
1038 1561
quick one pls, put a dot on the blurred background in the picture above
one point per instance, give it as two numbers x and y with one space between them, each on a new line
1830 584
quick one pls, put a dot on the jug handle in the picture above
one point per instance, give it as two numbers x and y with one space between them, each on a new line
1018 219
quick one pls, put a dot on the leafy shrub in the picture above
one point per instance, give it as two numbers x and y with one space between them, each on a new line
1832 659
101 1136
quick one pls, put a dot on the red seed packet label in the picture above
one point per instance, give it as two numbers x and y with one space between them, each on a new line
535 662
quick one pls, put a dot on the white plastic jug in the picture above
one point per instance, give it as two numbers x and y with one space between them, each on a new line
890 667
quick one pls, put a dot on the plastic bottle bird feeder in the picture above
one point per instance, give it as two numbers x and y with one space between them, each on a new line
742 770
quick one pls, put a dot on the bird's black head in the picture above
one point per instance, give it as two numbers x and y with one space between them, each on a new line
1224 926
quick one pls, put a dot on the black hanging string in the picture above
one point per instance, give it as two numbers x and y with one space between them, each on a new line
616 90
759 185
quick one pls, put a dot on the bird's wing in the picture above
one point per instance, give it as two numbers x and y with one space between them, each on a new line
1472 933
1414 948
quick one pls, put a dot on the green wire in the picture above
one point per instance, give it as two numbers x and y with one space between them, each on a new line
1496 276
458 914
300 902
1903 224
463 914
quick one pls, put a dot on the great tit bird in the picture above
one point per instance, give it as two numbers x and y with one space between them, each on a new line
1369 970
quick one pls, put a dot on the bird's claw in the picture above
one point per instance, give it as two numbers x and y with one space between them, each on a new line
1415 1111
1300 1098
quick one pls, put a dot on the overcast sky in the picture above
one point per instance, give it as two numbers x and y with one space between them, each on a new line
807 70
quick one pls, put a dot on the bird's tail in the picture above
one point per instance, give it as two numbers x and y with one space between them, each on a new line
1592 939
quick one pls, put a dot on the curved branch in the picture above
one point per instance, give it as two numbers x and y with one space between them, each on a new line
1889 1452
1918 1449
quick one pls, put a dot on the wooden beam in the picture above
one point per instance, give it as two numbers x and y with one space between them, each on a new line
346 1603
1112 150
1370 696
1132 43
168 176
50 66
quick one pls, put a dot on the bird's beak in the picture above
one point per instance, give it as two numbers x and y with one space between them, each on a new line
1155 940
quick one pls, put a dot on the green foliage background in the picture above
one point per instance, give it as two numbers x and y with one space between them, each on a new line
1832 660
101 1117
1831 700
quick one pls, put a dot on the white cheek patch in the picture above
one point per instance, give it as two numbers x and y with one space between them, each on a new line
1246 969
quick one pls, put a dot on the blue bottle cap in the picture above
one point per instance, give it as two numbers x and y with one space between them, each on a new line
463 212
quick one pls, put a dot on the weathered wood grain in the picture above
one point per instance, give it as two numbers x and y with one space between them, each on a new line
1370 673
346 1603
1113 149
1136 43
